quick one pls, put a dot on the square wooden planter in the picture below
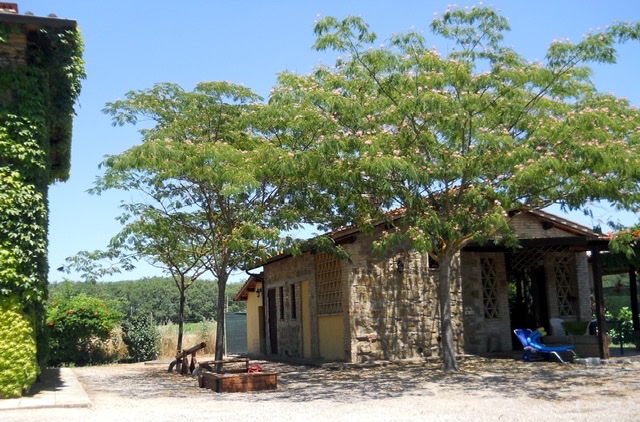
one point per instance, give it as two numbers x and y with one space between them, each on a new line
238 382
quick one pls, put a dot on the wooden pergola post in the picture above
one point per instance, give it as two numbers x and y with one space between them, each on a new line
598 291
633 292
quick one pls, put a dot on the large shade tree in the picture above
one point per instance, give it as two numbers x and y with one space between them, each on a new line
213 178
460 141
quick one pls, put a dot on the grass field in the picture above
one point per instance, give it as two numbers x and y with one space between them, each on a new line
194 333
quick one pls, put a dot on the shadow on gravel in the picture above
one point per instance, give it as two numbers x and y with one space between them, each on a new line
344 383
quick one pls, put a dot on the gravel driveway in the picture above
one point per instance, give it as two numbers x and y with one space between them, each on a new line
503 389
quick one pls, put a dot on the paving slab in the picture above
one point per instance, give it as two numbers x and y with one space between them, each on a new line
57 387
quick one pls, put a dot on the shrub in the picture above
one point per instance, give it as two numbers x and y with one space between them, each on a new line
78 325
622 327
18 366
142 337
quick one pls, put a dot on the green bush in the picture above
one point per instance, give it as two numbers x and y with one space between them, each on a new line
621 330
142 337
18 366
78 325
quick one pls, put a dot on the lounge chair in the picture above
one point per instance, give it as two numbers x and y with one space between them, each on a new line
531 343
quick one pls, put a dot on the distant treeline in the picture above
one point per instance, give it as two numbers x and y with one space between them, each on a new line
156 295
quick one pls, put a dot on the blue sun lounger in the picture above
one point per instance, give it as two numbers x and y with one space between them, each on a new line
531 342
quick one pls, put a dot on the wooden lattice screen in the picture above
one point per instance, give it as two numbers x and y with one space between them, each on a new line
529 258
328 284
489 288
565 285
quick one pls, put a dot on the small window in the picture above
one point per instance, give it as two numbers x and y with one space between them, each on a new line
293 301
281 302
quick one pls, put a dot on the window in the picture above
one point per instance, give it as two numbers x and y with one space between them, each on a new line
489 288
293 301
328 284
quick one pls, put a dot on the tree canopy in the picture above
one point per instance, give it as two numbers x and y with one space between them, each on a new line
215 193
460 141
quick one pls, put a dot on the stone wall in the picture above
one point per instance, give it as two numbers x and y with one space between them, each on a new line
387 314
13 53
395 315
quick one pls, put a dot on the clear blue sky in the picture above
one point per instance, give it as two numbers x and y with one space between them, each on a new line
132 44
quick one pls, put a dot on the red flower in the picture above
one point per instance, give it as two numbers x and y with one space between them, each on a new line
50 323
71 311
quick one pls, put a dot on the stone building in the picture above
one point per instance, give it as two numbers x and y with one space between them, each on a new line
315 306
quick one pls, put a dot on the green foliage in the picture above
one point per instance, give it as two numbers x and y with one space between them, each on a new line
226 203
621 326
157 296
18 366
23 220
77 325
142 337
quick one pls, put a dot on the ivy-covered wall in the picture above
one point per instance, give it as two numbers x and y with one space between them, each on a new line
40 72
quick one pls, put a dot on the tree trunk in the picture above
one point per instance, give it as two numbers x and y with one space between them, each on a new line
449 362
181 320
222 286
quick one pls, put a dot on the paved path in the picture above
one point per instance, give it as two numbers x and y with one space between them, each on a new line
59 387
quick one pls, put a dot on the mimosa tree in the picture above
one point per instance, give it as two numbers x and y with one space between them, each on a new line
460 140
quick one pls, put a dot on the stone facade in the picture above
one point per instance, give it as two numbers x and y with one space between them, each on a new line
395 315
13 53
379 312
387 314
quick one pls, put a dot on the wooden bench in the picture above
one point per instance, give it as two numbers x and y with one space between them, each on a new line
183 357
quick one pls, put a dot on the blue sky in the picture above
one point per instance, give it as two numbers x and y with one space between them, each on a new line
133 44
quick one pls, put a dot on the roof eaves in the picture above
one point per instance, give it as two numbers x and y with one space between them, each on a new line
34 22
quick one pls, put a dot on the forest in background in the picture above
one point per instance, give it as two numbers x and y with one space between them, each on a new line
157 296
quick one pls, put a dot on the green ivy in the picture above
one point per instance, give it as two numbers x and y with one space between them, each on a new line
37 97
18 366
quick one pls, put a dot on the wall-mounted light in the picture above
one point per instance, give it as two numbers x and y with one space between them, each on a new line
258 291
400 266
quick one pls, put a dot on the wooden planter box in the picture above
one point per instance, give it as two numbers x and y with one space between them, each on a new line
238 382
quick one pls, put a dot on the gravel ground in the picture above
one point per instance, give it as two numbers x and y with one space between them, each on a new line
502 389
